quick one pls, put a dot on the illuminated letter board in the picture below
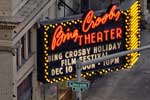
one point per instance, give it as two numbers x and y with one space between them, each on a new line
87 38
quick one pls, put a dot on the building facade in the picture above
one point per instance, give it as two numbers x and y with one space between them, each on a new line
18 29
18 47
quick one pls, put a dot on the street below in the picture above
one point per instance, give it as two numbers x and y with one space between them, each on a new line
129 84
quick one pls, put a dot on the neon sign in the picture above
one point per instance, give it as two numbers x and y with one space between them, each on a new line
87 38
88 23
60 37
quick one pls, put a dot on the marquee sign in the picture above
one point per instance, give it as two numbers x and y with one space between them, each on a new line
88 38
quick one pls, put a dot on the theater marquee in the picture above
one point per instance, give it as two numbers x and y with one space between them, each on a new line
88 38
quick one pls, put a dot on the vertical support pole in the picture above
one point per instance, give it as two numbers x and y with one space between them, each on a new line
78 72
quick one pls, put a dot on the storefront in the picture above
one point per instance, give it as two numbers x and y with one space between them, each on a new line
57 91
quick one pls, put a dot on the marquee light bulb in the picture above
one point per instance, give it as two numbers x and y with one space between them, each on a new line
46 36
70 76
46 54
45 64
45 70
69 23
45 76
46 42
46 73
75 22
45 26
45 51
45 33
46 67
54 79
53 26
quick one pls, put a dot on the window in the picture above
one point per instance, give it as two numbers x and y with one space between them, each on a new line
50 92
17 57
122 1
94 5
148 4
63 91
29 41
23 47
24 90
118 2
18 54
84 6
